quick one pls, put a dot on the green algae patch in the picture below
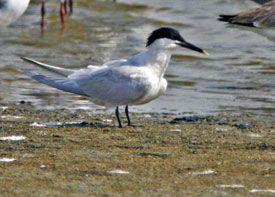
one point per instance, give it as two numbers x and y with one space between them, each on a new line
209 157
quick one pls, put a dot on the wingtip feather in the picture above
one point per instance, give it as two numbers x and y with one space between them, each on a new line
226 18
28 60
31 73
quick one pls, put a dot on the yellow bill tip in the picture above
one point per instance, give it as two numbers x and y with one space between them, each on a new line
205 52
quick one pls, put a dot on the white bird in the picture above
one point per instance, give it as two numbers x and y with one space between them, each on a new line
133 81
10 10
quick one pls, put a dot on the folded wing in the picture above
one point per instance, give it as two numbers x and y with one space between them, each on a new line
113 86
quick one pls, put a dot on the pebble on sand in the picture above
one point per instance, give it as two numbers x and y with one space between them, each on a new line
7 160
13 138
118 172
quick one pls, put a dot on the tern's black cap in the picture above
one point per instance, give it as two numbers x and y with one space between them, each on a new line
164 32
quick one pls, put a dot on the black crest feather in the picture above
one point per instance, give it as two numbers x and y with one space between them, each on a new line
164 32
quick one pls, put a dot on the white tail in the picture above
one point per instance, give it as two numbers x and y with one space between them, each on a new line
64 84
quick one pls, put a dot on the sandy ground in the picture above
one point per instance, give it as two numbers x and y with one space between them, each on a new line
224 155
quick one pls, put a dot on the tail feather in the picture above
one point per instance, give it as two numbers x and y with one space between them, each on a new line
232 19
226 18
61 84
61 71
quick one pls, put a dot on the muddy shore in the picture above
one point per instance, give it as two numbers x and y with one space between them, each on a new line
75 153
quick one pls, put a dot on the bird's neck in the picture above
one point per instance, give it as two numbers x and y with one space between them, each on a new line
154 57
158 60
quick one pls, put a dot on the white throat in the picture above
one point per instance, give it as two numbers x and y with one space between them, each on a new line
157 57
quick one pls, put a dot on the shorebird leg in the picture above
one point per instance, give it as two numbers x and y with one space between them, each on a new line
65 7
118 117
43 13
127 115
62 12
71 4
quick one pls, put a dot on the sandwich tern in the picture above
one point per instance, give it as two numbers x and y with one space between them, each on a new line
124 82
10 10
263 16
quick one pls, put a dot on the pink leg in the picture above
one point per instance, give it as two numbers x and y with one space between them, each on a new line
62 12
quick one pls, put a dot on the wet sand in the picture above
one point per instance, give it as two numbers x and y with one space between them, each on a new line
191 156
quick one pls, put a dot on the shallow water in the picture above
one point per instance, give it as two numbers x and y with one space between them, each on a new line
238 76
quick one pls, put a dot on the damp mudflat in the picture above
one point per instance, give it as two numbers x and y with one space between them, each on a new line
237 76
220 155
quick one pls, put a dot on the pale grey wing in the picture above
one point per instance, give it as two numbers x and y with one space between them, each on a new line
113 63
64 84
111 87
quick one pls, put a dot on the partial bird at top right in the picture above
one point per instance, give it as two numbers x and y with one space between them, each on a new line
263 16
261 1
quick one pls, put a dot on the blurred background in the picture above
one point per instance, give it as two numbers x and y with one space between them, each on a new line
238 76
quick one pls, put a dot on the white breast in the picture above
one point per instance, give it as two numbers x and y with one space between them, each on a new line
158 87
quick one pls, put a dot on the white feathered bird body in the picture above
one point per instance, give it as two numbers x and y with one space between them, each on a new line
133 81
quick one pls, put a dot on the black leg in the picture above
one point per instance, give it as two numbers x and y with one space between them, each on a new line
127 115
65 7
71 3
118 117
43 12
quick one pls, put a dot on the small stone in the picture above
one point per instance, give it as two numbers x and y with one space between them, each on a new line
243 125
118 172
262 191
7 160
221 129
175 130
235 186
206 172
13 138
